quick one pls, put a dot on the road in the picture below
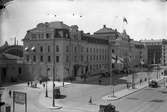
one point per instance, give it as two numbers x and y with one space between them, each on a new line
146 100
75 98
32 98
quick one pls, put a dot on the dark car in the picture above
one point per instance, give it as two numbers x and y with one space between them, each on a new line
57 92
107 108
153 84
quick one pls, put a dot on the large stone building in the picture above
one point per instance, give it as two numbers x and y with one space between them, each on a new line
74 52
157 51
11 64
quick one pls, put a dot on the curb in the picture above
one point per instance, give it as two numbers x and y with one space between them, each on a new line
127 94
130 93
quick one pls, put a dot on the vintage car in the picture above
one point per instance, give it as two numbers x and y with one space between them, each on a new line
153 84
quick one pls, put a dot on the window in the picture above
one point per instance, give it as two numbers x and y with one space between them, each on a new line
75 49
112 50
75 58
48 48
19 70
90 49
41 58
33 36
90 58
67 58
57 59
81 58
41 49
113 65
67 48
57 48
34 58
49 59
27 58
47 35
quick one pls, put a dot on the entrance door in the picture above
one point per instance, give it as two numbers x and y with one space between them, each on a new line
3 74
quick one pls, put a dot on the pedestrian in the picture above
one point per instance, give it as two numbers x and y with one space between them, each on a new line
28 83
140 81
10 93
100 81
127 85
43 85
90 100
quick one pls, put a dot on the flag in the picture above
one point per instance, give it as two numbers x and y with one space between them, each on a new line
125 20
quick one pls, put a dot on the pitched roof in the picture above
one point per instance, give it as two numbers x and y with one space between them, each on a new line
58 25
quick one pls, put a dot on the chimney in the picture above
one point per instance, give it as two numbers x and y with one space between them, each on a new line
104 26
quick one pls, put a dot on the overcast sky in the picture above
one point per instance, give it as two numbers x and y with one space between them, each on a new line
147 19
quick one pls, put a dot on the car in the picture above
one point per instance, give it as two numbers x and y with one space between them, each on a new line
57 92
107 108
153 84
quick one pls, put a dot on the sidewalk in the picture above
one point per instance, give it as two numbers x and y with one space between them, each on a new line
47 101
126 92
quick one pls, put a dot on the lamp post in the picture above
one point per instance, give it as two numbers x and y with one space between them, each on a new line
46 95
110 66
53 101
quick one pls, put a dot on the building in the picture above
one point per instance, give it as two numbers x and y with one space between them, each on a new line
74 52
157 51
11 65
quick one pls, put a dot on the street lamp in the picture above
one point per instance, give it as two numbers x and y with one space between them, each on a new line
46 95
110 65
53 100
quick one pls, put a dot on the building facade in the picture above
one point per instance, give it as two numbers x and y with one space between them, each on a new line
156 51
74 52
11 64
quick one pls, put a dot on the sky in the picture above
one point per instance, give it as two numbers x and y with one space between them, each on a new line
147 19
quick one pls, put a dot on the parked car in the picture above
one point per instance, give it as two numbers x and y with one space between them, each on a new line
153 84
107 108
57 92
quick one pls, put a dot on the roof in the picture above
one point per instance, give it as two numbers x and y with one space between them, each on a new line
105 30
152 40
5 56
92 39
58 25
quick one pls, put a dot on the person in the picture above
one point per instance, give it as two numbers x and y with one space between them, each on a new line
10 93
100 81
127 85
28 83
43 85
90 100
140 81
